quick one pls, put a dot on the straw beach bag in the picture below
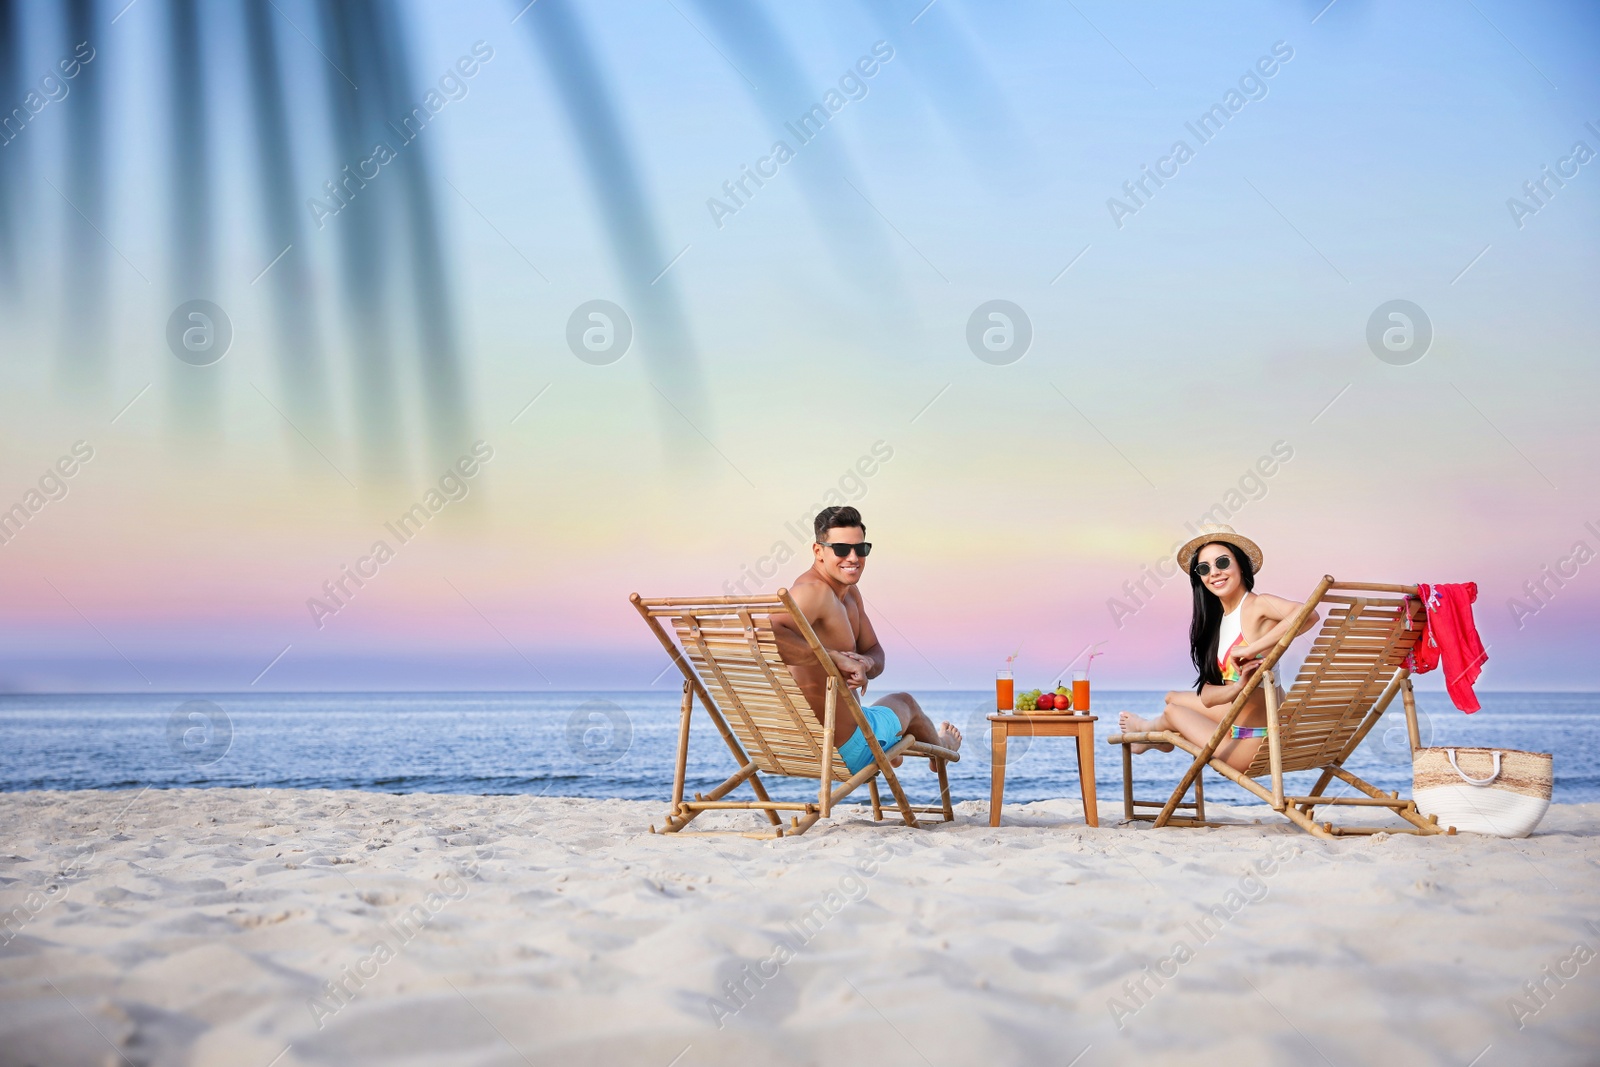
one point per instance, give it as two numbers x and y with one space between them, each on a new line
1482 790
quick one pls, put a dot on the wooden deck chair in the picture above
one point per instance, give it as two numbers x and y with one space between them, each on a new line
1356 665
730 662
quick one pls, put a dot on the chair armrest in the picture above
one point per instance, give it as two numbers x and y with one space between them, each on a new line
922 748
1147 737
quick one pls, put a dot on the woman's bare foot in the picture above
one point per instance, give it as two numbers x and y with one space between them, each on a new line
1130 723
949 737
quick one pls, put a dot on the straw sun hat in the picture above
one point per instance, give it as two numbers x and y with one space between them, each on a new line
1216 531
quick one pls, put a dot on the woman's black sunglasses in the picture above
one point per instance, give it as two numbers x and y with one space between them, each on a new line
1222 563
842 550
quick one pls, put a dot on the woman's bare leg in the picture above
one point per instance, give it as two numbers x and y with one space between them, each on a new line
1184 698
1129 723
1197 726
1197 702
1176 698
1197 729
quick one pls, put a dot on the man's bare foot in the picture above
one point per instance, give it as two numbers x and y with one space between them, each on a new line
949 737
1130 723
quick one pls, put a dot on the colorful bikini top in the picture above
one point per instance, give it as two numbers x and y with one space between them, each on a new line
1229 637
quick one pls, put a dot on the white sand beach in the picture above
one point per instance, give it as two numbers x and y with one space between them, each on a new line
212 927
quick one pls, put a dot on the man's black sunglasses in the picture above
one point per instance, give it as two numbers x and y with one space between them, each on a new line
1222 563
842 550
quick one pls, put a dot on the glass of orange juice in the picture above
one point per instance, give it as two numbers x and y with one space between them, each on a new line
1004 699
1080 691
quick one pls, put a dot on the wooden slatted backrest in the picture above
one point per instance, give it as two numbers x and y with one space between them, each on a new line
1365 639
729 644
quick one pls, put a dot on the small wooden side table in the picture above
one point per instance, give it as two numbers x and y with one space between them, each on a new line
1004 724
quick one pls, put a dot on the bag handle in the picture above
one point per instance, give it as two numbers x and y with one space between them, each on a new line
1474 781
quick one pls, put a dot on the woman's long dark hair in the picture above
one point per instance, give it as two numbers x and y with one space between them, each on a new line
1206 623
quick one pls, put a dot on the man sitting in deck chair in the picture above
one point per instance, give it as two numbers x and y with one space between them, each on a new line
828 596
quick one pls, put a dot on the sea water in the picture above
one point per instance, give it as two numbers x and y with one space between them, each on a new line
623 744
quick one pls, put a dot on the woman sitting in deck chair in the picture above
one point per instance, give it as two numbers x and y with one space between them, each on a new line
1232 628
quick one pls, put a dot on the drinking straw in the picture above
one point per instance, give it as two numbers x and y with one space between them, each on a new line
1093 651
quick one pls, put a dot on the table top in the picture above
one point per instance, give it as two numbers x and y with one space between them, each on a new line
1039 716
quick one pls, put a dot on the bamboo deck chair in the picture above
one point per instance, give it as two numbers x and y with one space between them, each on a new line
1356 665
730 662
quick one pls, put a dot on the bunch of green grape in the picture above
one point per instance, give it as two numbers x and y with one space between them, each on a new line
1029 701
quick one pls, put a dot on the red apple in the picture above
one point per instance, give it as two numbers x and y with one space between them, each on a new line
1047 701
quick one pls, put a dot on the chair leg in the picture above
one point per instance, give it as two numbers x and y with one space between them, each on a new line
800 826
1127 782
1250 785
1307 824
887 773
680 766
944 790
682 815
1326 778
877 806
1200 796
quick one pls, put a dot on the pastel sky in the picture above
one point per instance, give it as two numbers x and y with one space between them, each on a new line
810 336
